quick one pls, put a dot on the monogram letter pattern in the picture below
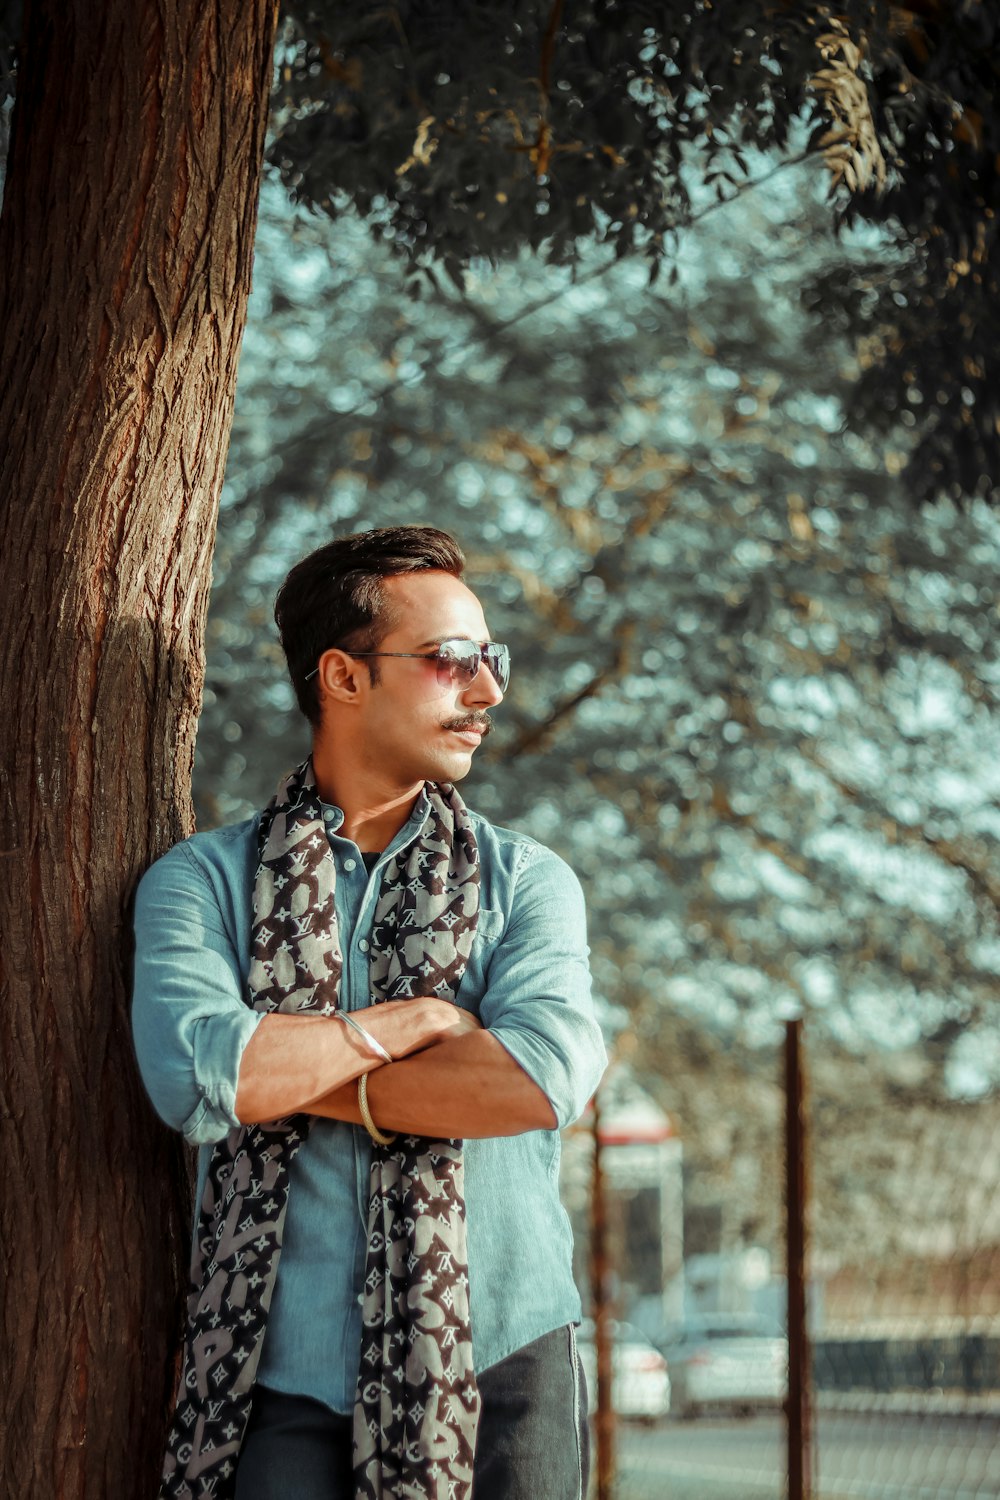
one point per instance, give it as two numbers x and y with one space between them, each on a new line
417 1404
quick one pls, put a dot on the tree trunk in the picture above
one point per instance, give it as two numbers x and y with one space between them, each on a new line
126 241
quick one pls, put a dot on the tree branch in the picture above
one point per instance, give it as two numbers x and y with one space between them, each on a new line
541 152
534 737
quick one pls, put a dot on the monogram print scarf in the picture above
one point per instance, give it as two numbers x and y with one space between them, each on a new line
417 1404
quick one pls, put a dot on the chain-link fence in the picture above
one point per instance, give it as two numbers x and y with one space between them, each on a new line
902 1377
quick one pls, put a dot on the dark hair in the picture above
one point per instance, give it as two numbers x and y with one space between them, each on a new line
334 597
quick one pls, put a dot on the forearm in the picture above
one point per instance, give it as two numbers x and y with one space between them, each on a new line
464 1088
293 1060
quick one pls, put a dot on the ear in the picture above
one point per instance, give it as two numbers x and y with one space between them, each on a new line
341 677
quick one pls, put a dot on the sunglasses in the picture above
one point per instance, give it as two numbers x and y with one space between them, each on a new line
458 661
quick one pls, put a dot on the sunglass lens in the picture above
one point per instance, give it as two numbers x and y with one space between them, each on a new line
458 661
497 658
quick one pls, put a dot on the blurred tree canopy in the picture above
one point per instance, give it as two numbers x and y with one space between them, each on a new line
754 693
462 130
754 698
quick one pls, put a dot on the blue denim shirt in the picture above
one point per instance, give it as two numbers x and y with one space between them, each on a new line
528 982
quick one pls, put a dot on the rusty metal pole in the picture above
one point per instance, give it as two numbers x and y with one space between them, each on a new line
604 1412
798 1405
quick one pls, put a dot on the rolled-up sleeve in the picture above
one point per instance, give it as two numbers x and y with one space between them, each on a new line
538 1002
190 1021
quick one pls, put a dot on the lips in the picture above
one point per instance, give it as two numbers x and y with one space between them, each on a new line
470 734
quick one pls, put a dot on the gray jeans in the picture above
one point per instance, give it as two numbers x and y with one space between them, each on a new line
532 1442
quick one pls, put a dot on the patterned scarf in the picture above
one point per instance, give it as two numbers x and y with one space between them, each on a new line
417 1404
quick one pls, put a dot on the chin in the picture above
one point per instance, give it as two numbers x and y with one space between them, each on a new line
439 762
454 769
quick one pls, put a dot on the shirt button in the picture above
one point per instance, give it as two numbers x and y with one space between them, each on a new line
328 814
350 864
363 944
361 1299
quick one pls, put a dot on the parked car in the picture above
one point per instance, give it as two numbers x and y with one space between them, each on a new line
726 1361
640 1385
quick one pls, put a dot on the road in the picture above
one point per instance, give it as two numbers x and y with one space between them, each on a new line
860 1457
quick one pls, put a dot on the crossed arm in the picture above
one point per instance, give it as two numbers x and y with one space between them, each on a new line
451 1078
529 1062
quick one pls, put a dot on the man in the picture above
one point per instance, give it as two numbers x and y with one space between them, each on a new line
371 1009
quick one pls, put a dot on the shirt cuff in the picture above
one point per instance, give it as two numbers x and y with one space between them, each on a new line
218 1046
569 1087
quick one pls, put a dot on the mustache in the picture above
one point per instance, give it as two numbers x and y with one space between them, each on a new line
482 722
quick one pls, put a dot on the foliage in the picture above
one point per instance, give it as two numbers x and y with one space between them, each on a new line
467 130
933 327
464 130
754 699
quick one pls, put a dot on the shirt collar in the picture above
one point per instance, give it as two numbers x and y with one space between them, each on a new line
333 819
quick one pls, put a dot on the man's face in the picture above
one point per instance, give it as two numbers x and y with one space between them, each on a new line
419 728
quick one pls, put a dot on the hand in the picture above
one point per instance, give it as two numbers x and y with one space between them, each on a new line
447 1019
407 1026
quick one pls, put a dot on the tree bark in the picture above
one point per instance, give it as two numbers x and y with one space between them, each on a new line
126 241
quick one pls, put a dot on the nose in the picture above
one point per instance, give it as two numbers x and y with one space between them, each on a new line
483 691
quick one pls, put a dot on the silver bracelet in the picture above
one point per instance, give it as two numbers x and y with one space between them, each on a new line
371 1042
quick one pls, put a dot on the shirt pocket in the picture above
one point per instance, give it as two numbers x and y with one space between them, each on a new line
489 927
489 930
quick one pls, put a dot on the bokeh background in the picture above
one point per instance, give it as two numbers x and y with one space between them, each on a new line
753 703
684 319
